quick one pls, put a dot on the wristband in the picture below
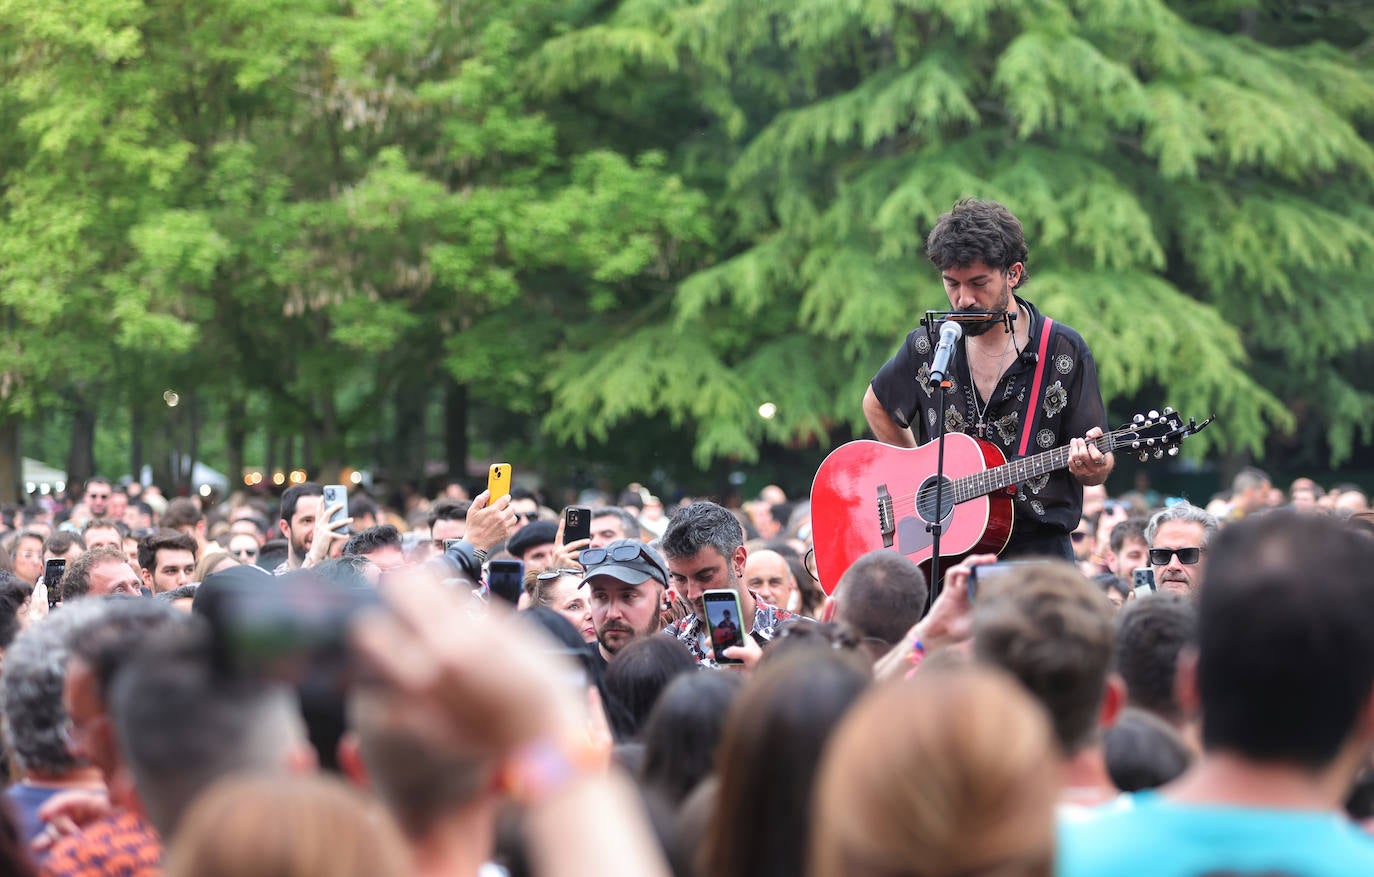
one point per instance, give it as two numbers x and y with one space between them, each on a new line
539 770
480 554
917 653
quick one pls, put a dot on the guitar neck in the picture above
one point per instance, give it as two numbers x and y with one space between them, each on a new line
1023 469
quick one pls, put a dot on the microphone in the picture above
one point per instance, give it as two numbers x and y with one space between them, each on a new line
950 333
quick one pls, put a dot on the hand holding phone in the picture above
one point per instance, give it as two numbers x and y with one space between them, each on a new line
336 499
724 621
53 570
577 523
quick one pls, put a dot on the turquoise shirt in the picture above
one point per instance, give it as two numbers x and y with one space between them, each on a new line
1147 834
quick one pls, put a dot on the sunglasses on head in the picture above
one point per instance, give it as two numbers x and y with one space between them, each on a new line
1186 556
592 556
549 575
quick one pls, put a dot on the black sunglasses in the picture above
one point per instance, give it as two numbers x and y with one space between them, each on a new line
529 516
1186 556
592 556
1078 536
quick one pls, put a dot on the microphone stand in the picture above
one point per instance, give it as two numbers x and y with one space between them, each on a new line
936 527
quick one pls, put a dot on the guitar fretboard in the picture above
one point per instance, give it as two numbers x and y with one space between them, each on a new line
1017 471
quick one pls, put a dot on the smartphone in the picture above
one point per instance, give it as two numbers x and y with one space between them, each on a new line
506 579
293 628
724 621
336 494
1143 581
982 576
577 523
53 571
498 482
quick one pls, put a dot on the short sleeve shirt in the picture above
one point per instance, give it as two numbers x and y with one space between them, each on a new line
692 633
1068 405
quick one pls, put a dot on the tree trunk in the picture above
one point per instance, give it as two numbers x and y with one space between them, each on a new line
137 457
81 456
192 448
11 463
456 429
235 440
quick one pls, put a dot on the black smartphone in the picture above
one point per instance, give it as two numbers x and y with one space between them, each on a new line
53 570
988 573
1143 581
577 523
506 579
336 494
292 628
724 622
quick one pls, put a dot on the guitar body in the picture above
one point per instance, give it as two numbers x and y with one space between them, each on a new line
865 498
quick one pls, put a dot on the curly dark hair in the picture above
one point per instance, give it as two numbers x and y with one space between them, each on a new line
978 231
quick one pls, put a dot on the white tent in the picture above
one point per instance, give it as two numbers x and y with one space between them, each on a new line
37 473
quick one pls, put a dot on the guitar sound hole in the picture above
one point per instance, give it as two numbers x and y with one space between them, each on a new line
925 500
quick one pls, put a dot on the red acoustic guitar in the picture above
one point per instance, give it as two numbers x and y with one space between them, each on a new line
869 496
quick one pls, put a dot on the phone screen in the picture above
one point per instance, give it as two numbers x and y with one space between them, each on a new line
577 523
724 622
53 571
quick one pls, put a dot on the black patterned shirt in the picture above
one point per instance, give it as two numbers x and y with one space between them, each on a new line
1069 404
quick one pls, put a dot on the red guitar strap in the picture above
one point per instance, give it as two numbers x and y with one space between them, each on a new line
1035 386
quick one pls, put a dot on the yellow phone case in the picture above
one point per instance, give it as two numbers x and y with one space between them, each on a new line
498 481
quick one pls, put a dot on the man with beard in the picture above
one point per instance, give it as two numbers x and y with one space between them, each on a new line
1018 379
626 581
1178 537
704 545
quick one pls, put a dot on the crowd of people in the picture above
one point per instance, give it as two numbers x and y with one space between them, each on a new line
1213 717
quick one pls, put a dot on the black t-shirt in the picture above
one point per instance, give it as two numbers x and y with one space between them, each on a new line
1070 403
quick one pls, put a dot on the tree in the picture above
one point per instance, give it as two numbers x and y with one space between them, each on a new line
1197 201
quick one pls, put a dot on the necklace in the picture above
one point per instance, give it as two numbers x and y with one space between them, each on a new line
981 423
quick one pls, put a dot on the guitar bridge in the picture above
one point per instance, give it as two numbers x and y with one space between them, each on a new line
886 521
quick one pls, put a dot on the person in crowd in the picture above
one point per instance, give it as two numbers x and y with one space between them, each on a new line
1127 549
1303 494
381 545
524 505
212 563
981 254
184 515
1151 635
1249 493
181 728
15 605
35 721
167 560
304 826
879 597
950 774
561 590
121 836
300 513
610 523
1144 752
474 713
626 583
118 506
244 547
637 676
63 545
448 520
1178 537
534 544
1284 679
103 532
1084 542
767 574
99 572
28 556
682 733
767 762
97 496
1049 627
704 545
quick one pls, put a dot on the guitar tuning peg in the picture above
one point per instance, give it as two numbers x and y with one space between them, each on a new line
1151 443
1144 455
1168 411
1139 418
1159 453
1153 414
1173 452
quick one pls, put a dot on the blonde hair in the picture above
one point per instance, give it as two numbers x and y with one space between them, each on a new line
285 826
949 774
210 561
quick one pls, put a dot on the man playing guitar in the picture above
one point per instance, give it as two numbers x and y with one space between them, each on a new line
1017 379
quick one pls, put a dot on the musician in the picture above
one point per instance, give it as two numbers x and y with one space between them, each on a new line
981 254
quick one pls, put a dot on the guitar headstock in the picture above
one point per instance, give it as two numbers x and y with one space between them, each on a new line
1156 434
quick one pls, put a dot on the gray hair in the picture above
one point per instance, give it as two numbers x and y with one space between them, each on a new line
701 524
1186 513
31 692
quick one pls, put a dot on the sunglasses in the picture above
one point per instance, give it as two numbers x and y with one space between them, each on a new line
529 516
590 557
1186 556
1078 536
549 575
246 552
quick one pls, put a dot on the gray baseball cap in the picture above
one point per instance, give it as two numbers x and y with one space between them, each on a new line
628 560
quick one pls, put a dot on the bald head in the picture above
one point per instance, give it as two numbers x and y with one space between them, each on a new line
768 575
